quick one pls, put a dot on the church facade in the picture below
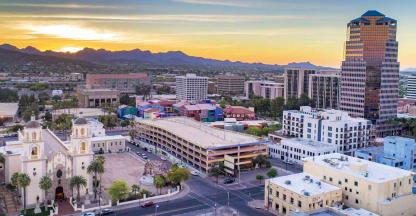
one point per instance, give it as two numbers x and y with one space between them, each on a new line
39 152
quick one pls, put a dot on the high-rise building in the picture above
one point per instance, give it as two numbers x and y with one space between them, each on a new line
411 87
296 81
370 71
266 89
324 89
191 87
230 85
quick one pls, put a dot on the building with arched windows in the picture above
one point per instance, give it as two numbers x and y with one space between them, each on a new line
39 152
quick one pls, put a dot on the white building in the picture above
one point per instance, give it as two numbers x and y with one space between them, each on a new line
39 152
191 87
378 188
411 87
296 149
333 127
102 143
266 89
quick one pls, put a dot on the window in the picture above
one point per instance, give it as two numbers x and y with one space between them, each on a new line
346 180
83 147
292 200
284 196
299 204
330 179
356 201
277 194
82 131
35 151
355 183
369 187
34 135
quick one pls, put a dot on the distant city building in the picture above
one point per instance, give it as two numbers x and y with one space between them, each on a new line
91 98
294 150
8 112
266 89
212 87
240 113
200 145
74 77
230 85
397 152
296 82
125 83
324 89
57 92
333 127
191 87
378 188
411 87
299 192
204 112
370 71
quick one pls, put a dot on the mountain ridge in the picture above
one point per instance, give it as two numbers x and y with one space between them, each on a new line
146 57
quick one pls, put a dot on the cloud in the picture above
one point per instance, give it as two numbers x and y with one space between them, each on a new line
65 6
160 17
228 3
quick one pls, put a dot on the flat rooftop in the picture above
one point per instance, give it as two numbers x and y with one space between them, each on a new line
303 184
8 109
107 137
307 143
360 168
201 134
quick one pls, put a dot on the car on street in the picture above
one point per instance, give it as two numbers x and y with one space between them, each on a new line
88 214
138 153
147 204
288 162
144 157
163 159
195 173
229 181
107 212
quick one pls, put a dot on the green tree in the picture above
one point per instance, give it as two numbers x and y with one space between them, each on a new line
135 189
292 104
260 160
276 107
133 134
304 100
159 181
2 158
23 181
97 169
272 173
217 170
109 121
255 131
8 95
177 175
118 190
63 123
259 177
15 128
100 159
14 180
78 182
45 184
125 123
143 90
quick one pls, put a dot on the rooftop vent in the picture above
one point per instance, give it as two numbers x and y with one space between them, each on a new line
288 182
306 193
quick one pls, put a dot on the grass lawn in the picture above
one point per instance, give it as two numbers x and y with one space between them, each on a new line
30 212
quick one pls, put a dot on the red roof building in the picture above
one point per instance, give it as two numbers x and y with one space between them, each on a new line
240 113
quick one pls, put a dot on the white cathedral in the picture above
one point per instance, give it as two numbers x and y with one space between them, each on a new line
39 152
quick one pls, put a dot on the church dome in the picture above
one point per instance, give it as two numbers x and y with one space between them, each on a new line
81 121
32 124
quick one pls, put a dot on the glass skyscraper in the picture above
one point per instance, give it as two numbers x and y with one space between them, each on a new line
370 71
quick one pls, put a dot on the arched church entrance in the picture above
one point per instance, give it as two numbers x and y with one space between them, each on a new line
59 193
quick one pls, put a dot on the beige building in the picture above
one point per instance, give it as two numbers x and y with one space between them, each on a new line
376 187
125 83
74 77
266 89
299 193
230 85
200 145
91 98
296 82
324 89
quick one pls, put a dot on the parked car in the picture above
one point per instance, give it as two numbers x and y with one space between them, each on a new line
195 173
288 162
88 214
144 157
138 153
229 181
163 159
147 204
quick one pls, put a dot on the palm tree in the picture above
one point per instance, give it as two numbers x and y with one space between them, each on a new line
2 159
45 184
97 168
101 159
159 182
78 182
135 188
23 181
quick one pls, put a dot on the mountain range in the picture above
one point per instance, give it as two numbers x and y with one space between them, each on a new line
144 57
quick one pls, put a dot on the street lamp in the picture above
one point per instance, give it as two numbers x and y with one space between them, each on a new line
157 206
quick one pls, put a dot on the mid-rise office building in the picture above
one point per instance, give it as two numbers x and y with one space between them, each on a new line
296 82
397 152
200 145
191 87
266 89
324 89
378 188
299 192
370 71
230 85
293 150
125 83
333 127
411 87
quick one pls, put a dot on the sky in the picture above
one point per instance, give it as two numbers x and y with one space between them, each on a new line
267 31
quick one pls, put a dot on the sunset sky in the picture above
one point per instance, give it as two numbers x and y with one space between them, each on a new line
268 31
